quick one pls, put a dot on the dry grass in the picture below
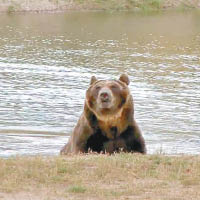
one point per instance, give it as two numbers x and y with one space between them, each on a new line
120 176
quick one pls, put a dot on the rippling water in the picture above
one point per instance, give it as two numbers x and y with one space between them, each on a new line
46 61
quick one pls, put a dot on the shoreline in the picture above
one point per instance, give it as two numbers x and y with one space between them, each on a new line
54 6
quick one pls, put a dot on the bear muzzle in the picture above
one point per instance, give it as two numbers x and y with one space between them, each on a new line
105 98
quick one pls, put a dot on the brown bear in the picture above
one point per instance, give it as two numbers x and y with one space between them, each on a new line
107 123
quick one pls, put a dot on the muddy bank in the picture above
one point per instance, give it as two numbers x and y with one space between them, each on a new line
64 5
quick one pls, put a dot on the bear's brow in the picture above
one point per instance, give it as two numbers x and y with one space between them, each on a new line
113 80
103 81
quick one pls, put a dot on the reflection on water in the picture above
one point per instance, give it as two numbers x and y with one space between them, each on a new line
46 61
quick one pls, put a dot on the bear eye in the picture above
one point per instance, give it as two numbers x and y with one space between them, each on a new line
97 88
113 86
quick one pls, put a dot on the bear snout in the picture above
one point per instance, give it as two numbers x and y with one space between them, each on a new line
105 95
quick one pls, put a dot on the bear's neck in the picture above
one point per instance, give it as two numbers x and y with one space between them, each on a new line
113 126
109 123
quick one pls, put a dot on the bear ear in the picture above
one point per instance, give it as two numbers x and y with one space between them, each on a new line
92 80
124 78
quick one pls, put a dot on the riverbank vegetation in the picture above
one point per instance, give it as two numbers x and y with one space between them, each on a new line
64 5
119 176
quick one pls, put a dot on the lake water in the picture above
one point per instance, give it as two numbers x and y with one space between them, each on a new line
46 61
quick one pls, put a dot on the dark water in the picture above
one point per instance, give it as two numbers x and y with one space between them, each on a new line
46 61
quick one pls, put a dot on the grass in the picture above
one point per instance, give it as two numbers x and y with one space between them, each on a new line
76 189
64 5
119 176
11 9
146 5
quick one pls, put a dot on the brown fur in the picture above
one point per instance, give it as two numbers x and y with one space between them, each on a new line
108 128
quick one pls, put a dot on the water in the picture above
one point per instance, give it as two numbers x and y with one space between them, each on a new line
46 61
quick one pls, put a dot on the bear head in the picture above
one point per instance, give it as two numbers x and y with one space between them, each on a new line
107 100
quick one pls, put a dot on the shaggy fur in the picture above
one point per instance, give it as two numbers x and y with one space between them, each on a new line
107 123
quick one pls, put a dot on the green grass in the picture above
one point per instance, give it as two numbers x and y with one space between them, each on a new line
11 9
146 4
109 5
77 189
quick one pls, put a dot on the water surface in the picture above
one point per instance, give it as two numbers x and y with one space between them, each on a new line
46 61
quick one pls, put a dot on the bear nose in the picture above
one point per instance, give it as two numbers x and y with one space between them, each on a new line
104 96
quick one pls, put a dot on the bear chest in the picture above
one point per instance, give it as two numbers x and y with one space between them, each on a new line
112 128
